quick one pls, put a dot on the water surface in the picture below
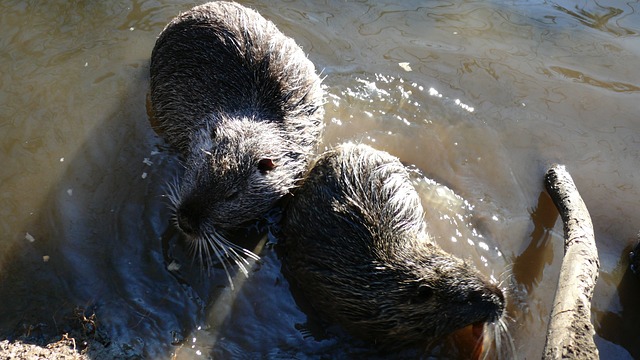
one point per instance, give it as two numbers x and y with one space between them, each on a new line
478 97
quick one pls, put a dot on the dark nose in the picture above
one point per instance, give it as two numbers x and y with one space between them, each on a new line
496 297
189 216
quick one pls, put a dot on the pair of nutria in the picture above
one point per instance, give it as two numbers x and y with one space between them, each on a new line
243 105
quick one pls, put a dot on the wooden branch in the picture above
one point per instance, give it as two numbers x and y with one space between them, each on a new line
570 332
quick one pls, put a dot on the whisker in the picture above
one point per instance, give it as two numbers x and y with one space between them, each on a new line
231 250
213 243
488 337
205 257
237 259
497 338
230 245
512 346
217 248
172 190
505 276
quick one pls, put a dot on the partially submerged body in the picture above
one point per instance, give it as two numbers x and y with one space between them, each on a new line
356 245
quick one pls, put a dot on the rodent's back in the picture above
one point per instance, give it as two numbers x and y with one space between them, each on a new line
223 58
355 244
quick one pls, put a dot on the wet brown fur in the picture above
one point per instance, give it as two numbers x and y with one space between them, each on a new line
356 245
243 105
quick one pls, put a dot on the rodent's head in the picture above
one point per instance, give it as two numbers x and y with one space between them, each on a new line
419 294
234 174
441 293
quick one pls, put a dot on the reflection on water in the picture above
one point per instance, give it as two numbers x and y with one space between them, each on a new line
478 97
529 265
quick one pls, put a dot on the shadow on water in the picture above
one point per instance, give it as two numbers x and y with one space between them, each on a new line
93 262
529 265
619 324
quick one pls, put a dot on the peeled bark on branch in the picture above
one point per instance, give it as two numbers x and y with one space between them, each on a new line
570 332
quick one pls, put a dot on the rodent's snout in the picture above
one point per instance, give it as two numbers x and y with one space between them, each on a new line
188 218
497 298
488 302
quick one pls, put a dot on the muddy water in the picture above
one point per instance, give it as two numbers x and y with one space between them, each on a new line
477 97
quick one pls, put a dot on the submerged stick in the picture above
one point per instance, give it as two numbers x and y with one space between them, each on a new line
570 332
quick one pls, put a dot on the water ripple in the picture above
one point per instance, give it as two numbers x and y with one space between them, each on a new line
582 78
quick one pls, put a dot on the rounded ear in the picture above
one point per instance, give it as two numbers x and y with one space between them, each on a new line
265 165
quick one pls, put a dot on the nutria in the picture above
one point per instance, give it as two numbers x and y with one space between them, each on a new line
355 245
243 105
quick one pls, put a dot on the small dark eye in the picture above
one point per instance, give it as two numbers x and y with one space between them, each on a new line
231 194
424 292
265 165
